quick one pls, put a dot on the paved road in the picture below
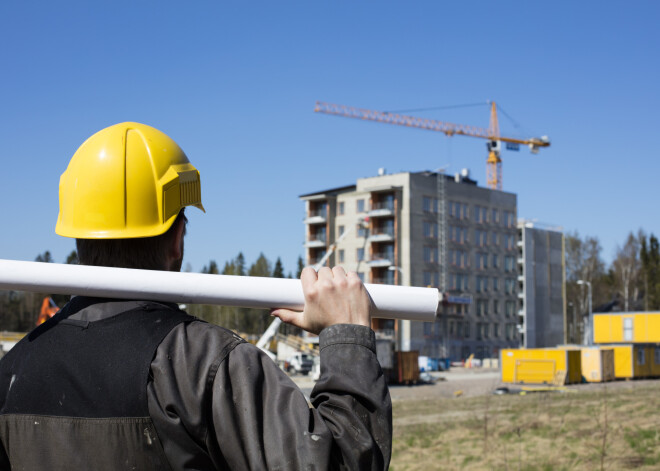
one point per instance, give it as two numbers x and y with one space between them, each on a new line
457 381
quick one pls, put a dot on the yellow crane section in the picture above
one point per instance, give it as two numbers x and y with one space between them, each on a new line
493 163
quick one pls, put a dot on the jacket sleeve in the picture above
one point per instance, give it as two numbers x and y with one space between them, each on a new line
261 420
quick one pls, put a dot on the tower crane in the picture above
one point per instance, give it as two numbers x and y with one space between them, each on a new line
492 134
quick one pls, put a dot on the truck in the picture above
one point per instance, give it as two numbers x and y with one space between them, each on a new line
299 362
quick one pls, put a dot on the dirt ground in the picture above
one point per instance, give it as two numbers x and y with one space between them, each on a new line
458 382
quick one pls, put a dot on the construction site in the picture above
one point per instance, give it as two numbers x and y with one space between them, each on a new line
474 332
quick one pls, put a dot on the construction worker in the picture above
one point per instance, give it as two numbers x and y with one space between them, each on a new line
109 384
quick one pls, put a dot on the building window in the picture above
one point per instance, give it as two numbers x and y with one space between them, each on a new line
431 278
496 306
481 285
509 308
430 229
496 330
458 258
482 307
509 286
509 219
467 330
428 328
509 241
509 263
458 234
361 231
340 230
495 261
481 260
458 282
480 238
495 216
360 254
318 234
496 284
458 210
340 254
480 214
429 205
340 209
494 239
360 206
628 329
431 254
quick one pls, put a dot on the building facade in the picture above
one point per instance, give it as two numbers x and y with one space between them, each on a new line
541 290
427 229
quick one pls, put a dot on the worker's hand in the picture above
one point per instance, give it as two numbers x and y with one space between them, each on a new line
331 297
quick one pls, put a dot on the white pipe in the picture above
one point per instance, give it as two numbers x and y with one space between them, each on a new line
391 302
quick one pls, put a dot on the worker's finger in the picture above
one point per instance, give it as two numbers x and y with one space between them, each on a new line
339 271
308 277
285 315
353 277
325 273
295 318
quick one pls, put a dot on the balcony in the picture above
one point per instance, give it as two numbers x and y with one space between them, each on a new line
381 209
384 280
381 235
315 241
385 334
385 259
317 217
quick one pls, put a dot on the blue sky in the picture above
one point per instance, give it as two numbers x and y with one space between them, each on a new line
234 83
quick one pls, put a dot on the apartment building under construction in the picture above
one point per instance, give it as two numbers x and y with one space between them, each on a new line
427 229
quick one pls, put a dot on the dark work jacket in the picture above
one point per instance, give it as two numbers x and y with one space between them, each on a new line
141 385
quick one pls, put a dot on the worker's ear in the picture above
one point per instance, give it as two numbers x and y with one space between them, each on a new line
175 252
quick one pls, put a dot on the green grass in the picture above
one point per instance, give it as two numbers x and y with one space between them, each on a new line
618 428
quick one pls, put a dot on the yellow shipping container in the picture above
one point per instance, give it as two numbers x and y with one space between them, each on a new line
654 356
540 366
597 364
627 327
636 361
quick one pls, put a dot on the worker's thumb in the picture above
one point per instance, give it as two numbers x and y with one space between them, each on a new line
288 316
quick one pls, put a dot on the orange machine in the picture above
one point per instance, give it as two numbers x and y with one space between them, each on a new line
48 310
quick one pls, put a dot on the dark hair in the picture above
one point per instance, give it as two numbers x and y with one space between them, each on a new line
147 253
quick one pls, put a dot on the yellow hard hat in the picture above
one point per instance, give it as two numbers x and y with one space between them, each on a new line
126 181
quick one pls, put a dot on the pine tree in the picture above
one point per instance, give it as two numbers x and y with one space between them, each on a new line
211 269
44 257
301 265
278 271
650 256
72 258
239 264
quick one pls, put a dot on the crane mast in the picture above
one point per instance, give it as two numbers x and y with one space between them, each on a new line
492 133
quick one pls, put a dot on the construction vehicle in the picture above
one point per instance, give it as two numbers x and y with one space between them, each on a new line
492 134
301 363
48 310
275 325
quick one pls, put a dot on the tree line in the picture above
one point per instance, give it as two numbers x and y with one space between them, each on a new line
630 283
19 310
